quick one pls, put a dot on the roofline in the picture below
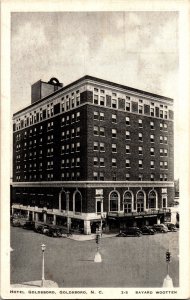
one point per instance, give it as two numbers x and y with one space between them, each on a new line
88 77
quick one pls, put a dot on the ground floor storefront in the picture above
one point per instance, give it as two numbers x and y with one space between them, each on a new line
87 206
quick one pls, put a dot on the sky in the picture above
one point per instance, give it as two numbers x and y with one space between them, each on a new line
137 49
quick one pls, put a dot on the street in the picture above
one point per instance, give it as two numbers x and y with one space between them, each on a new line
126 261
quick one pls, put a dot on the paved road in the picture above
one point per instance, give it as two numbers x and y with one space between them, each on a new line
127 262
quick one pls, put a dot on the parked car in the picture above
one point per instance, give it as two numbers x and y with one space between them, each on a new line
147 230
29 225
54 232
16 222
131 231
39 228
160 228
45 229
171 226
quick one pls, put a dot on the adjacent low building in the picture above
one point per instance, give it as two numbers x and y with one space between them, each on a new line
93 150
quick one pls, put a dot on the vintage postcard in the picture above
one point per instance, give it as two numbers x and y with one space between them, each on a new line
95 150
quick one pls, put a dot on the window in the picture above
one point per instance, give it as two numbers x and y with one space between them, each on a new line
152 138
114 94
95 89
72 133
165 165
102 91
151 151
127 163
63 135
95 130
67 134
72 118
161 139
62 121
101 116
62 163
72 163
67 120
62 149
127 106
96 161
152 111
140 177
140 123
72 147
78 147
127 135
152 200
165 126
77 100
165 140
152 177
140 150
101 162
114 201
102 100
161 152
165 115
102 147
78 175
78 116
161 177
127 121
102 133
114 163
152 164
165 152
140 109
67 149
127 199
161 113
78 162
114 118
140 137
165 177
78 131
161 164
114 148
62 176
140 163
95 175
161 126
140 201
101 176
72 175
151 125
127 148
95 99
95 146
67 104
114 133
114 103
114 177
67 163
127 176
96 115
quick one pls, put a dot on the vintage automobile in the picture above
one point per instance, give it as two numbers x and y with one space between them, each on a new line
54 232
147 230
130 231
29 225
160 228
171 226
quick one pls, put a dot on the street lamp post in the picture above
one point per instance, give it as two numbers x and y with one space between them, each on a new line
101 199
43 247
67 209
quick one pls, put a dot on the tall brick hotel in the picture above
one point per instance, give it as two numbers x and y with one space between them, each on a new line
93 149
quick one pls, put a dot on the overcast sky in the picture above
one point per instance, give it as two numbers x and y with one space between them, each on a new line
137 49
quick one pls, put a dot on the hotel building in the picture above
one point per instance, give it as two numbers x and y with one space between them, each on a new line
93 150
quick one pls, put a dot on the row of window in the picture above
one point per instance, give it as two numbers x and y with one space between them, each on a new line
96 176
102 101
100 131
97 116
101 117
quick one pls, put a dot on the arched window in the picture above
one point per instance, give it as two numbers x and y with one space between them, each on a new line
78 201
152 199
140 201
114 198
127 202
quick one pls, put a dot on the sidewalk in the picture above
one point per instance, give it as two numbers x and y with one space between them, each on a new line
84 237
35 284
